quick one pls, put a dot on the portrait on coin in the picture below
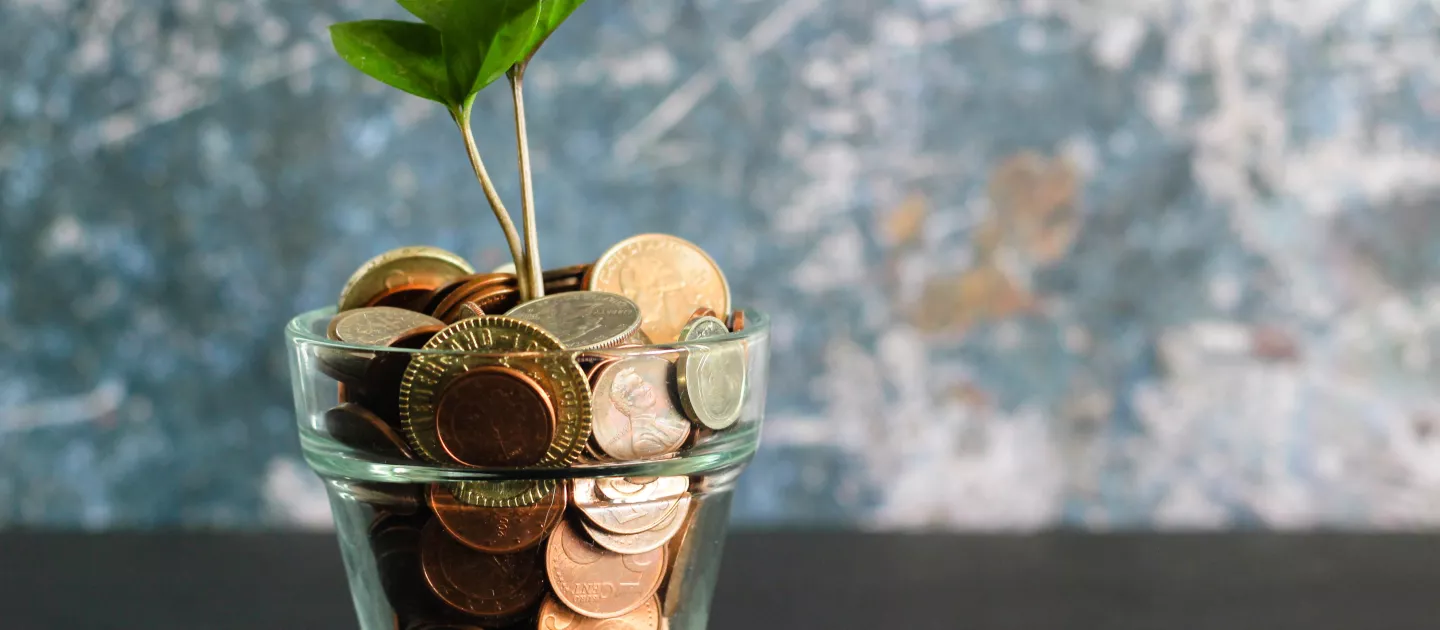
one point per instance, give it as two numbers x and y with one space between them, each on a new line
650 425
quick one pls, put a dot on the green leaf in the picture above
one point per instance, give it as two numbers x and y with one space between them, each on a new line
552 14
404 55
482 38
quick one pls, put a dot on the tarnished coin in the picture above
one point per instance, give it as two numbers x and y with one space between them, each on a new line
556 616
469 309
624 517
479 583
498 529
410 268
494 416
379 390
737 321
669 277
395 541
491 293
565 279
583 320
633 414
711 377
597 582
496 341
358 428
652 538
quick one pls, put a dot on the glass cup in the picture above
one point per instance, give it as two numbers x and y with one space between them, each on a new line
627 536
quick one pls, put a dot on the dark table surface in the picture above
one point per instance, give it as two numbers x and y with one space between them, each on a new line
829 581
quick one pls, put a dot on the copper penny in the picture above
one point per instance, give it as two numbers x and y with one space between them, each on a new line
498 529
395 542
379 391
479 583
737 321
556 616
625 517
703 311
632 412
449 307
494 416
597 582
652 538
360 429
667 276
438 295
409 297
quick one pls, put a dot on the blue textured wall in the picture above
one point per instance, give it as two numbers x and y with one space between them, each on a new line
1109 264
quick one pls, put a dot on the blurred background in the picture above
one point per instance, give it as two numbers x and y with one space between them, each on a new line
1153 264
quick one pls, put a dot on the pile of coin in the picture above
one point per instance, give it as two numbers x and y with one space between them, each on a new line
564 379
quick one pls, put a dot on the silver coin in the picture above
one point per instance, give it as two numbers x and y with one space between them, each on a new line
583 320
711 377
369 326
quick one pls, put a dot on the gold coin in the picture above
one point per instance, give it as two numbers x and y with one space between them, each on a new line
555 616
711 377
597 582
493 340
669 277
415 267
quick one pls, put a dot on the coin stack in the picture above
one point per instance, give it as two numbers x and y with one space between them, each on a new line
569 378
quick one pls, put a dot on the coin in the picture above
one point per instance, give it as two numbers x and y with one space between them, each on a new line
379 390
565 279
711 377
667 276
639 489
555 616
652 538
376 325
479 583
497 529
703 311
623 517
440 294
597 582
470 309
395 498
493 340
508 493
486 291
737 321
409 267
395 541
494 416
632 412
360 429
584 320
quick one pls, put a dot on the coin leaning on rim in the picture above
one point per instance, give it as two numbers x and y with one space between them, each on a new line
711 377
669 277
416 266
583 320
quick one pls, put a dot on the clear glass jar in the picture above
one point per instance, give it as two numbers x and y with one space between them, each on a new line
431 546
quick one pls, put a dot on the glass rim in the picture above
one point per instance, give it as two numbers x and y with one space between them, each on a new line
302 329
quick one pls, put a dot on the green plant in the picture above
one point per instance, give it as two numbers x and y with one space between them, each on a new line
458 48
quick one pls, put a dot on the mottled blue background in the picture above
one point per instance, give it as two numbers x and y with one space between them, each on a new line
1163 263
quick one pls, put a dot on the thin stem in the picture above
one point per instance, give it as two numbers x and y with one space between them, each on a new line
527 189
462 120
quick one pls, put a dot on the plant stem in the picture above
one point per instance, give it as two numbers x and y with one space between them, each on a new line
462 120
527 189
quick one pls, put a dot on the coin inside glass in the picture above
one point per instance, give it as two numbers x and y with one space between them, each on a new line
494 416
358 428
410 267
584 320
669 277
621 517
479 583
632 413
554 615
497 529
597 582
711 377
644 541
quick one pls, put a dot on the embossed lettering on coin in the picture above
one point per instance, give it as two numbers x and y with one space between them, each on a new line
632 414
480 583
584 320
668 277
711 377
556 616
596 582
